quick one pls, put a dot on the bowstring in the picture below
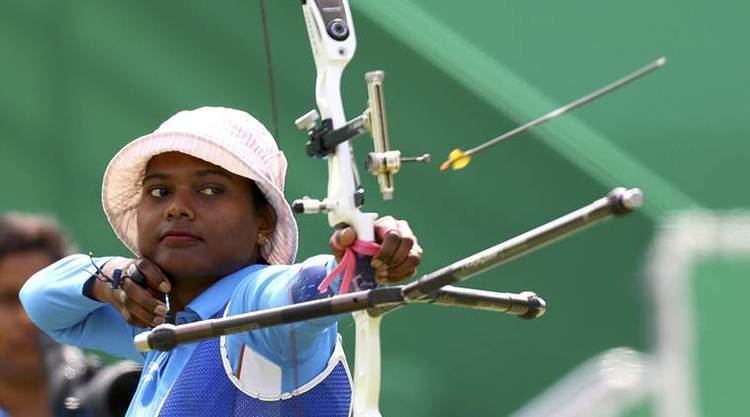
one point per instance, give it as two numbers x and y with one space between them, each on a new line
269 71
275 131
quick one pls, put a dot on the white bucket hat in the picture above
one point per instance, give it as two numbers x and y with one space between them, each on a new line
228 138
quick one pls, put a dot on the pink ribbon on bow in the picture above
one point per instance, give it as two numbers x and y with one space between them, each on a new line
348 265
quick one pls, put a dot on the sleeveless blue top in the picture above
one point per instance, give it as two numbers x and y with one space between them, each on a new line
205 377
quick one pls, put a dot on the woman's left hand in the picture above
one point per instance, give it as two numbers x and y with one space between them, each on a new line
399 253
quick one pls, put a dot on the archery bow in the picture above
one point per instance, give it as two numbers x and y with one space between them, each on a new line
332 39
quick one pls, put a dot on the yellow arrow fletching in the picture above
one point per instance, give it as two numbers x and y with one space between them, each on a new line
457 159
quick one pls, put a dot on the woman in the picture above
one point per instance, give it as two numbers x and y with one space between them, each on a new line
200 203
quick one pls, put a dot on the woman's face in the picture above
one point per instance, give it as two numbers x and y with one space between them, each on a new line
197 220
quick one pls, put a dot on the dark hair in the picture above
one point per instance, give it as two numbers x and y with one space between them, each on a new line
260 202
21 232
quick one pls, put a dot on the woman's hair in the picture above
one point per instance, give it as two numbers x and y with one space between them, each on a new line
20 232
260 202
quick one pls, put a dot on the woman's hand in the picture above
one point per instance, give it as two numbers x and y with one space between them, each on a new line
399 253
139 297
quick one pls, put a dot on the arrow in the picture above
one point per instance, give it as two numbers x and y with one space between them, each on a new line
459 159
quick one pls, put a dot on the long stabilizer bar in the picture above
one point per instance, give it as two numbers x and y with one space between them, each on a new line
430 288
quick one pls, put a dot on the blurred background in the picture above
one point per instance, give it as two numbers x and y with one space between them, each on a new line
81 79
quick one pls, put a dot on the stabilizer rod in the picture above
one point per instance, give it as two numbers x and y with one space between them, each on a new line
430 288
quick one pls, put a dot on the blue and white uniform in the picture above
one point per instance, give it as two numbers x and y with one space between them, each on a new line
292 370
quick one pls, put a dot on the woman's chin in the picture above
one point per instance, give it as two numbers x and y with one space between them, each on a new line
182 265
178 268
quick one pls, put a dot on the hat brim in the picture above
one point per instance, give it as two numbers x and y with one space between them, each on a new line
121 188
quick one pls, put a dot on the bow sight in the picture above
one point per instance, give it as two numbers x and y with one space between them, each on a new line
383 162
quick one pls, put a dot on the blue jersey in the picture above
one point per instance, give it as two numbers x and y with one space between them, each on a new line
292 370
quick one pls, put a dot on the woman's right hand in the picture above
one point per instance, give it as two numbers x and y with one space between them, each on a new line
141 294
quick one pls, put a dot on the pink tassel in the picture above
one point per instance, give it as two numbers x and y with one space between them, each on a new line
348 265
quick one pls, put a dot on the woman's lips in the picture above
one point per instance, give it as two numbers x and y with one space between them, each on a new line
179 239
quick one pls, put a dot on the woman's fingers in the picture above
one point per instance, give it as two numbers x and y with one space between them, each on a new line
147 274
399 252
400 272
141 306
342 239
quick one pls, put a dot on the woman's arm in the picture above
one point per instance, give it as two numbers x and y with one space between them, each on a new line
54 300
291 354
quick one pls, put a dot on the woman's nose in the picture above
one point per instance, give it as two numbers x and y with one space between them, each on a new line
179 207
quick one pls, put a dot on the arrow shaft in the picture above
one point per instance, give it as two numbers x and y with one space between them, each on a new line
572 105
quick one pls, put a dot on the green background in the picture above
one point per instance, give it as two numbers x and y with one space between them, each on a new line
721 365
82 78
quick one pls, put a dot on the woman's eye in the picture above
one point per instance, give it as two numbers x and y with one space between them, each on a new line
157 192
211 191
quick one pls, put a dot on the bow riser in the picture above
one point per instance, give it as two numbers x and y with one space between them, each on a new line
331 57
